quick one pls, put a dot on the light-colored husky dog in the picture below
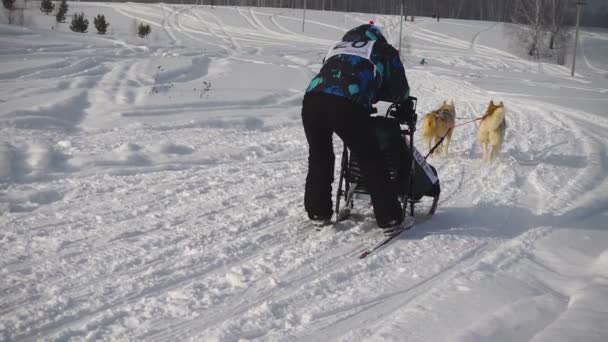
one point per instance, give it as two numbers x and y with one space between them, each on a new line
438 124
492 130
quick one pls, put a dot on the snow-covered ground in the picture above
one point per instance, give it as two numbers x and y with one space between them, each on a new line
151 189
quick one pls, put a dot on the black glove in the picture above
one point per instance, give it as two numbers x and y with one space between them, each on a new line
406 110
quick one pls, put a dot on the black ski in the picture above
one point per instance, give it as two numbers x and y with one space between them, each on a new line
384 241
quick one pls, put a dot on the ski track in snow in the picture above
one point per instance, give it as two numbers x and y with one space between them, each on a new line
152 190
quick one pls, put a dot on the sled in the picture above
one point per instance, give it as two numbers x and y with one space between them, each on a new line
418 185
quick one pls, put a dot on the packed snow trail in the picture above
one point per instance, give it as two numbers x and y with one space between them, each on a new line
151 189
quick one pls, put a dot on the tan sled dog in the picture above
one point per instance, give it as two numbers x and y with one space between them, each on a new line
492 130
437 124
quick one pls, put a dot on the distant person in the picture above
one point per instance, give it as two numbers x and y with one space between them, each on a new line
357 72
423 62
437 15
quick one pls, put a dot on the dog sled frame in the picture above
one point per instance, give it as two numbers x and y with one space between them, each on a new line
349 186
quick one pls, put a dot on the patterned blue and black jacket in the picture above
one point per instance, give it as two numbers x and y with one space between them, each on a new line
364 68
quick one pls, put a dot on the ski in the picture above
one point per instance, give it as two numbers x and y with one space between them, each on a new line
385 240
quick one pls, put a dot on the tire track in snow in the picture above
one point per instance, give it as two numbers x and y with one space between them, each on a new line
228 37
263 290
166 23
374 310
160 287
283 36
241 304
590 180
275 22
112 92
476 47
155 205
463 53
587 62
392 308
112 302
314 271
232 35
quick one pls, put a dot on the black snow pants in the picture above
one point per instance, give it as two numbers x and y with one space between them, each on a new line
325 114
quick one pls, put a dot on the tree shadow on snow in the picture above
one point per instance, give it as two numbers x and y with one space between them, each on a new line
503 222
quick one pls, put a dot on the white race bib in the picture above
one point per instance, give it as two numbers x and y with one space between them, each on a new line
361 49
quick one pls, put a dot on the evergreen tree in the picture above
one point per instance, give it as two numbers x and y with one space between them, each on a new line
47 6
101 24
8 4
143 30
61 13
79 23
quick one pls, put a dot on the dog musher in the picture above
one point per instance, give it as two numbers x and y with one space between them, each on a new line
357 73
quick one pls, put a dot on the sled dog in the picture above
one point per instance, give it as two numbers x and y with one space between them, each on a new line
438 124
492 130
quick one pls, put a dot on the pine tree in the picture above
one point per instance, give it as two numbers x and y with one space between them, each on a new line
8 4
143 30
79 23
101 24
47 6
13 14
62 11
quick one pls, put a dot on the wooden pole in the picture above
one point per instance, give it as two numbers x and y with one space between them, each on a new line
304 16
401 28
578 19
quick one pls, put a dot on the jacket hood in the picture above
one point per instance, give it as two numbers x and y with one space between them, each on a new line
365 32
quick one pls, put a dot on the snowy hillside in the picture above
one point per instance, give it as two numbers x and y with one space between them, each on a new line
152 189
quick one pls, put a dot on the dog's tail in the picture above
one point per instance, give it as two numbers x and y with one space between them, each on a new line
497 118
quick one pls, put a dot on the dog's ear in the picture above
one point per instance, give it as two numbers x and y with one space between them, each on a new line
491 102
501 104
452 103
444 102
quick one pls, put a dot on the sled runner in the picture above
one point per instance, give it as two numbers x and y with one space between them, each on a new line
418 185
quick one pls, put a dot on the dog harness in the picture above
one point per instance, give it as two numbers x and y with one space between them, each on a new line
443 116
